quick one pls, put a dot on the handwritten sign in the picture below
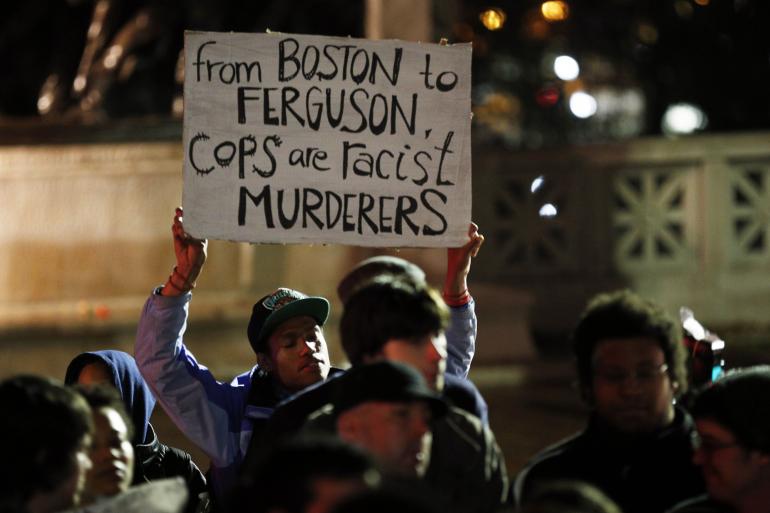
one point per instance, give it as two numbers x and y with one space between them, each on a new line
302 139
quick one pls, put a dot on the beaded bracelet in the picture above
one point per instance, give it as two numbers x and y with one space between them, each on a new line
186 285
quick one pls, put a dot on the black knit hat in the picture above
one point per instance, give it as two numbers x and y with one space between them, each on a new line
384 381
280 306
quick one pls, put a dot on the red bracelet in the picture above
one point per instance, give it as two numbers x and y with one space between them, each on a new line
460 299
174 286
185 280
186 285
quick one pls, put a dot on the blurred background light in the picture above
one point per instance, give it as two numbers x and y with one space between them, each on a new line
548 210
536 184
647 33
566 68
555 10
683 9
582 105
683 118
547 96
493 19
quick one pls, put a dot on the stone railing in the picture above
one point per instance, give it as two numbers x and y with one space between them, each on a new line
682 221
85 235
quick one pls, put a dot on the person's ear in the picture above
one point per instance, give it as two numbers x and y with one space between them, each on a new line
264 362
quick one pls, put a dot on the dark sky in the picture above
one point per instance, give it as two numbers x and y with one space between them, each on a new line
711 53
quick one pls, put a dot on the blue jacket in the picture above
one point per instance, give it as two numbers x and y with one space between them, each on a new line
218 417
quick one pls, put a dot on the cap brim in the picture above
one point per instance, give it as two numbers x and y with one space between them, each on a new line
437 405
315 307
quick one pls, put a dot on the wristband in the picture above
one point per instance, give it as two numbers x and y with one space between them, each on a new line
463 298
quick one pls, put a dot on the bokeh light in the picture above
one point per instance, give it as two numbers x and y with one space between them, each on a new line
683 9
683 118
548 210
537 183
493 19
647 33
555 10
547 96
566 68
582 105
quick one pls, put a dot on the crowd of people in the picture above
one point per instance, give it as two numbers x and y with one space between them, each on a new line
402 429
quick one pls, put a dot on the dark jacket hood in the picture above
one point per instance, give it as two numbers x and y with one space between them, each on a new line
127 380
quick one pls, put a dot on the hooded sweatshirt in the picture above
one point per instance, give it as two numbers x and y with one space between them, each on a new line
153 460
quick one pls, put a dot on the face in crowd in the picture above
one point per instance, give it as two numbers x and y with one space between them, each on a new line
112 453
48 431
631 389
730 470
95 373
427 354
392 432
297 355
112 456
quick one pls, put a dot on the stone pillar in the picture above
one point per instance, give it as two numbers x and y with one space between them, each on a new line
410 20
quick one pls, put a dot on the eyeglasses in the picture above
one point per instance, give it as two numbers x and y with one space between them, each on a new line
709 445
644 376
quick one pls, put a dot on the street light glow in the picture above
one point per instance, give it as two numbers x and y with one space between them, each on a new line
566 68
582 105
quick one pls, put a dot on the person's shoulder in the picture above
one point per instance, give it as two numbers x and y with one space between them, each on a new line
559 460
564 447
458 419
462 434
173 454
180 463
556 457
463 394
291 414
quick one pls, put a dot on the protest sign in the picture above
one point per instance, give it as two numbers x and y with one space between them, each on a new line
311 139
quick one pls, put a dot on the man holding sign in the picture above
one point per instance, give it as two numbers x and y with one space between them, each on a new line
305 139
285 333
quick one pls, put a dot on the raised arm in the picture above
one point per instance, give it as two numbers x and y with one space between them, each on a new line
206 411
190 257
461 335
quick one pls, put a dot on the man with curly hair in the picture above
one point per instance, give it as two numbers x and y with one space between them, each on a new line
636 445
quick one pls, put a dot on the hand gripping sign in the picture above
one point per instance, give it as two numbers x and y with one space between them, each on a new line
310 139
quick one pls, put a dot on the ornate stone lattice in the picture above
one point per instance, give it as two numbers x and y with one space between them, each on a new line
750 210
531 226
649 217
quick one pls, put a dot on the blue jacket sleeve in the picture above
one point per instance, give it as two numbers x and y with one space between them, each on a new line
208 412
461 339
